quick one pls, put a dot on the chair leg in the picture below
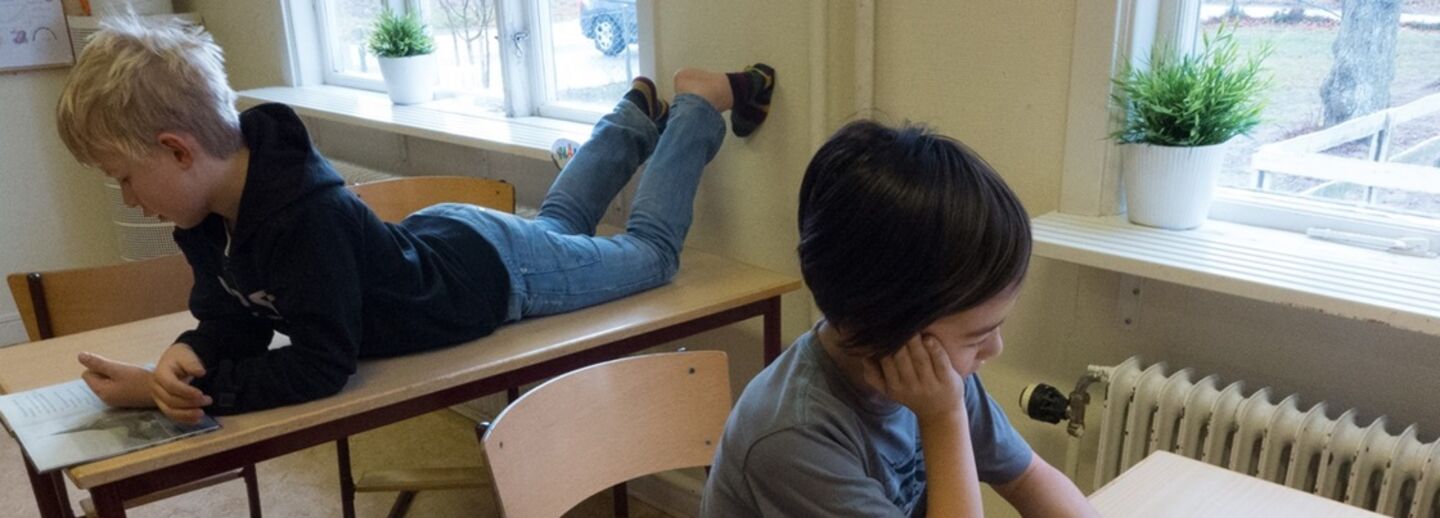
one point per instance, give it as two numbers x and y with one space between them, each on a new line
252 489
402 504
622 500
347 482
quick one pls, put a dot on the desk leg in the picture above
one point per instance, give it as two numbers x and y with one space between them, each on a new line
50 500
108 503
772 329
57 479
347 481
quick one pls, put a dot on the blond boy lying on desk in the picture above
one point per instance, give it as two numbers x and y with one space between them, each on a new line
277 244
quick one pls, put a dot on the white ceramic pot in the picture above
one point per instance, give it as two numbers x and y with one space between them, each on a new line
1170 187
409 80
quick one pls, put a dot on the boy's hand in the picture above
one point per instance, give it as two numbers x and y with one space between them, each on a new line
118 384
171 389
920 377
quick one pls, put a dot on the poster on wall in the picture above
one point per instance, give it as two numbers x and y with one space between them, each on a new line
33 35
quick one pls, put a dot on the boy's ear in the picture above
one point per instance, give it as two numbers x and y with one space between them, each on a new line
177 146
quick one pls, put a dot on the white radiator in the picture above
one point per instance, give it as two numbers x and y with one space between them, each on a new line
1267 435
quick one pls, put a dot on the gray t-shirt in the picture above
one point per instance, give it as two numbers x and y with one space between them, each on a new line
803 442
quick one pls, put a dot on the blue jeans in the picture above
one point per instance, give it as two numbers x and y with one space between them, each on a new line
556 262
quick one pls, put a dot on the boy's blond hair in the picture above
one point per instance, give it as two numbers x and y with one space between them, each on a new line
136 79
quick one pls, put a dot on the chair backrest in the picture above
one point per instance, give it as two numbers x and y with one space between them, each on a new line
63 302
605 424
396 198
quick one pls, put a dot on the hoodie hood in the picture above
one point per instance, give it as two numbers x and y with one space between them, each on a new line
284 166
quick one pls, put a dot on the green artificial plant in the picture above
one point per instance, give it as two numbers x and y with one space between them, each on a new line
399 36
1196 99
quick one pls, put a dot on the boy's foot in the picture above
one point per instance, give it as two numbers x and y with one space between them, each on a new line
562 151
752 89
645 96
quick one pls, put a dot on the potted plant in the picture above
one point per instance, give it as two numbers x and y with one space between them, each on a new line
1179 114
406 54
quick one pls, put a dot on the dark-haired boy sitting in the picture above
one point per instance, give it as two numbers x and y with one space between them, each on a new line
914 249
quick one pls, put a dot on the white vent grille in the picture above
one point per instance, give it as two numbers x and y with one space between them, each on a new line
1363 465
138 237
355 174
82 27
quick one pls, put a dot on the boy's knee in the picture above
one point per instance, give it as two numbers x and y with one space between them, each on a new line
668 263
665 257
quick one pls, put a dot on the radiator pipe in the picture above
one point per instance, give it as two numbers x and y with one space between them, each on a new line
1046 403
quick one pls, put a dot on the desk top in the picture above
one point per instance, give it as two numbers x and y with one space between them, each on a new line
706 284
1165 485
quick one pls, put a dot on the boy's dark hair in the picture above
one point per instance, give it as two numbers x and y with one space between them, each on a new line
900 227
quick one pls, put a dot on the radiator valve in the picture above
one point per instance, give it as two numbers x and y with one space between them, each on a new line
1045 403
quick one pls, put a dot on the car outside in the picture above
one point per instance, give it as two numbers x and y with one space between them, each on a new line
611 24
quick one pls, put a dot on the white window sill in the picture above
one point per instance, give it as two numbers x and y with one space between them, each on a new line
1262 264
523 136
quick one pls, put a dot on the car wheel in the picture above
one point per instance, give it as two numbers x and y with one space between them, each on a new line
609 36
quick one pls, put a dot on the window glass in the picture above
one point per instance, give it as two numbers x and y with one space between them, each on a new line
592 51
467 50
1351 119
348 25
570 58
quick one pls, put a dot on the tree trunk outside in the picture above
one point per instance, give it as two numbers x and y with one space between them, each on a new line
485 57
1359 81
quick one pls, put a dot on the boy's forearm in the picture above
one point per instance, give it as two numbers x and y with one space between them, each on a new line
953 485
1044 491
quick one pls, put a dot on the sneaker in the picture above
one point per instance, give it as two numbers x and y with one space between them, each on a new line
562 151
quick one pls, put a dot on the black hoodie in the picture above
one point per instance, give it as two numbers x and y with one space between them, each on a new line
310 260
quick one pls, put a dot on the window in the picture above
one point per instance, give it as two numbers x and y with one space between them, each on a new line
565 59
1351 139
1353 123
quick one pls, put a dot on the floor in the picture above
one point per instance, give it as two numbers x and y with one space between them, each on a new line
305 484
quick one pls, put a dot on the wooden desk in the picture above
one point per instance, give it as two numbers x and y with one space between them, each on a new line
1165 485
709 292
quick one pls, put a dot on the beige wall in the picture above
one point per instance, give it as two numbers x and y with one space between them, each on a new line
53 213
994 74
255 34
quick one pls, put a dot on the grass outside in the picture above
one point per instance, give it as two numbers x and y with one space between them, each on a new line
1300 61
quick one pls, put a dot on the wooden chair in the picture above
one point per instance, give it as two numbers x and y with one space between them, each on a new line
605 424
396 198
392 200
64 302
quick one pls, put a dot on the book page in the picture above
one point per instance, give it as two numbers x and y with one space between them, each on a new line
67 424
48 403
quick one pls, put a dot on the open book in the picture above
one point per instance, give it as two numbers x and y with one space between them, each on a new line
67 424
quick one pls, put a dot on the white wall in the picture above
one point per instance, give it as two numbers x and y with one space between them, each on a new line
53 213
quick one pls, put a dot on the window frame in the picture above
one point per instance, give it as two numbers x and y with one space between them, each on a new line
308 60
1110 34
